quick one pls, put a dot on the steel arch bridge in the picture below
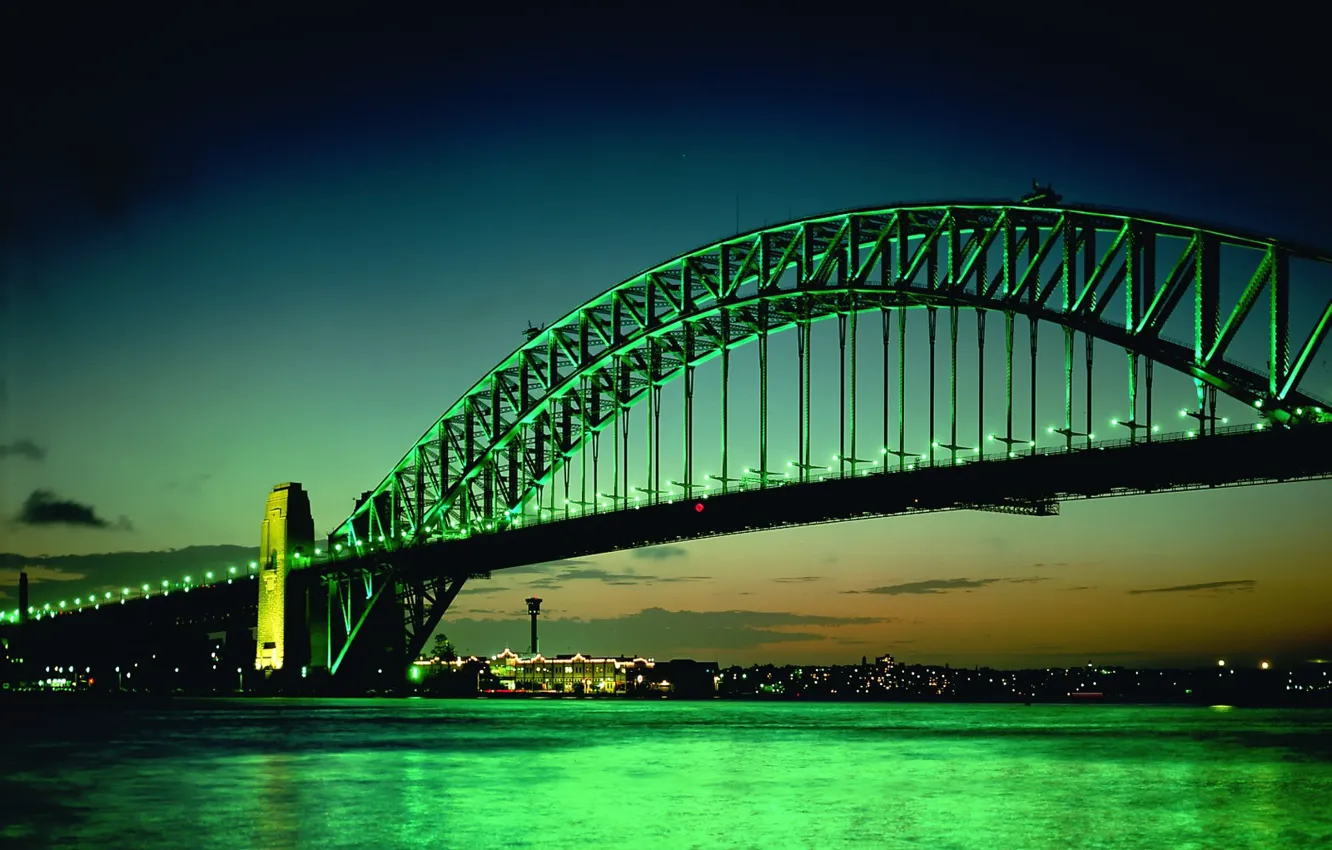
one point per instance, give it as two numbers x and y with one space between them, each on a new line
505 455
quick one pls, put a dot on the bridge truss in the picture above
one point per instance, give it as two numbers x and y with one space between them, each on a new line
528 442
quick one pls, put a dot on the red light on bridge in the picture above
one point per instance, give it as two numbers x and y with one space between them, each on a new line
698 507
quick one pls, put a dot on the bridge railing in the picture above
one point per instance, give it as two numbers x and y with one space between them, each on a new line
151 590
751 481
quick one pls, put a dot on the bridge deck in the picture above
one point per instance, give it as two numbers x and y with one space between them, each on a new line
1025 482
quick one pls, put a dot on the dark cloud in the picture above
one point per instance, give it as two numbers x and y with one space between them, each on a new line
660 553
798 579
23 447
934 585
600 575
653 631
485 588
541 569
1224 586
1027 580
1080 587
608 577
43 507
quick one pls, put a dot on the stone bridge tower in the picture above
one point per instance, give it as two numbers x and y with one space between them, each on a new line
286 535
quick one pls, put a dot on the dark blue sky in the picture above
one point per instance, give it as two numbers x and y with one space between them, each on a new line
241 250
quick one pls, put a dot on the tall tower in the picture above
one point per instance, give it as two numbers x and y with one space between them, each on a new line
23 597
287 532
534 608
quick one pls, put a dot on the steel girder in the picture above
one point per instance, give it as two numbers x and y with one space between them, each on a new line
355 591
507 437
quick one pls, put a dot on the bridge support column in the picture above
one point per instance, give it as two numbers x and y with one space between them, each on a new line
286 535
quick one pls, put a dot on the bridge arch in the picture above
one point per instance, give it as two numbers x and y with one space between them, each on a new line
512 432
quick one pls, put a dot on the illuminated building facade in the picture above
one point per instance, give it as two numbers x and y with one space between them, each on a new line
575 673
288 530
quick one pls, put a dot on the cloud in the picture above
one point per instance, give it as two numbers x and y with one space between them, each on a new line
798 579
626 578
42 507
660 553
599 575
1080 587
530 569
23 447
1224 586
653 631
934 585
1027 580
487 588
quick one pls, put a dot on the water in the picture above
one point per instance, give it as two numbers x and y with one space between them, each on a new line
537 773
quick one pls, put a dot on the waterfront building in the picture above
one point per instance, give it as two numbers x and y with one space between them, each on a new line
575 674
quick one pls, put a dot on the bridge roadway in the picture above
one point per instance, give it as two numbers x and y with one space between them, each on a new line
1030 483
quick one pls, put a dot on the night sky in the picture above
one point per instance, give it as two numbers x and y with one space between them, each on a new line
243 251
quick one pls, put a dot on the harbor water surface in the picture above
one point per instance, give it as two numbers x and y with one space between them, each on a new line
665 774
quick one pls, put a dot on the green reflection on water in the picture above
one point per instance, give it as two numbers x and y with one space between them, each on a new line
626 774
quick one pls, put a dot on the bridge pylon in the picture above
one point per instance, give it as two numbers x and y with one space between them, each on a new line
286 535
